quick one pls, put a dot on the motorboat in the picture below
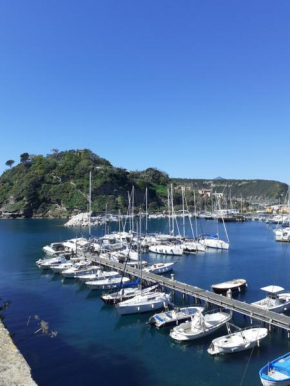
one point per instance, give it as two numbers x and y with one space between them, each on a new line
62 267
110 282
240 340
200 326
276 372
160 268
282 234
144 302
49 263
173 250
274 301
174 317
235 285
125 294
87 271
193 247
54 249
81 266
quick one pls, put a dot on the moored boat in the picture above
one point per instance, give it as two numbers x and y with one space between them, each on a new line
235 285
200 326
277 372
160 268
174 250
237 341
274 301
174 317
143 303
126 294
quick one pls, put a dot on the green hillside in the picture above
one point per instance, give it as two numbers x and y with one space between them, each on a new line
58 184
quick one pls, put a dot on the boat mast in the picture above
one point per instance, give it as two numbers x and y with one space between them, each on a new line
172 209
146 218
183 215
195 214
168 206
90 202
132 209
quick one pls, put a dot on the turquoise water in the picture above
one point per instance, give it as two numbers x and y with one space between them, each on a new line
95 345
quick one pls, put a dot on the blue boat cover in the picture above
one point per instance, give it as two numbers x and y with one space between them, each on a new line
130 284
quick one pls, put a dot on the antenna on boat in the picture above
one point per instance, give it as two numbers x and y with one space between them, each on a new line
90 202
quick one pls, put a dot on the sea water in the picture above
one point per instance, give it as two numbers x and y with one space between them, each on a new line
96 346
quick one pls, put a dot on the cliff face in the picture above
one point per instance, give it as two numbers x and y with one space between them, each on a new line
57 185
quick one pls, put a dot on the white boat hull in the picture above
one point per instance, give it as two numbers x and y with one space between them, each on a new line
166 250
238 341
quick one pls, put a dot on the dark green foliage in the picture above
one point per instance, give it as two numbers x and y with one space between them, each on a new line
58 184
10 162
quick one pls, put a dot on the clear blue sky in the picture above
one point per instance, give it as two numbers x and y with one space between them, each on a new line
198 88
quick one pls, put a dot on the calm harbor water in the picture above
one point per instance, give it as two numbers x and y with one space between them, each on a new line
95 345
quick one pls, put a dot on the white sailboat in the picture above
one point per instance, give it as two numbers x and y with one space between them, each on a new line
160 268
143 303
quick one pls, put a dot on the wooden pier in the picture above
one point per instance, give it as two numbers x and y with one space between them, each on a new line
269 317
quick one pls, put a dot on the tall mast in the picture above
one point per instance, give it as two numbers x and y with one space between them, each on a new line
146 200
133 209
90 203
183 215
172 209
195 214
168 206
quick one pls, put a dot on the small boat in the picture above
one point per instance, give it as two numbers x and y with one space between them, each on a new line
110 282
125 294
277 372
174 250
200 326
143 303
237 341
174 317
160 268
274 301
89 271
236 285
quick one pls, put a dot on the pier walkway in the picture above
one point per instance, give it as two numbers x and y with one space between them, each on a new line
272 318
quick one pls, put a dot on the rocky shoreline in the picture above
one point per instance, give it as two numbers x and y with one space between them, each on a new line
14 370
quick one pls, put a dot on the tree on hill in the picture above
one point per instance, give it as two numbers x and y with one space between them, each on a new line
10 162
24 157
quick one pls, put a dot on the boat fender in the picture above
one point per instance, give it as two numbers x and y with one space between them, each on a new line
152 305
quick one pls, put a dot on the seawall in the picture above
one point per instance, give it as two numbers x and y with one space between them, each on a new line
14 370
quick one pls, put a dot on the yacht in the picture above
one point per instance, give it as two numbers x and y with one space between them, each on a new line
54 249
49 263
77 267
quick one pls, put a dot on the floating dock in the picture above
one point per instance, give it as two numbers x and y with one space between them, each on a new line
269 317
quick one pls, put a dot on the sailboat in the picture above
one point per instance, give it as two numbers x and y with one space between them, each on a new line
145 301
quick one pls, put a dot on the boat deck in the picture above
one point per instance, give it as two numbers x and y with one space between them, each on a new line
270 317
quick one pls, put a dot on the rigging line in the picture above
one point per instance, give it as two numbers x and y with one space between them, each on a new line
250 357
